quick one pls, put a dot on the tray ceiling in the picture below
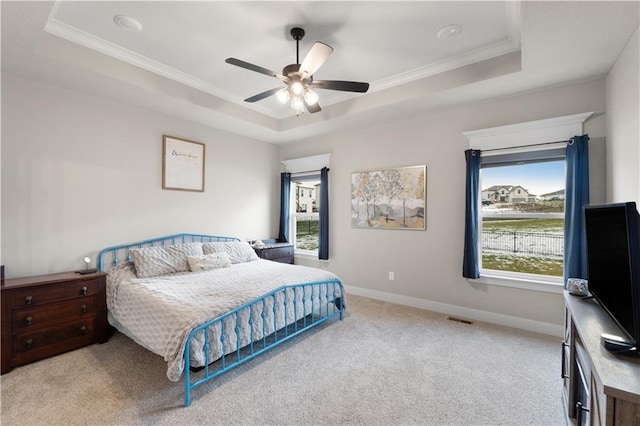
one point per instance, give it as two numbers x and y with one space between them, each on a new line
175 64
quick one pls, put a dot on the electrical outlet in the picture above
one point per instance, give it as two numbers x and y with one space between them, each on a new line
391 276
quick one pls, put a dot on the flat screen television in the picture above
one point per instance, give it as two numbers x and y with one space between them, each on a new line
613 260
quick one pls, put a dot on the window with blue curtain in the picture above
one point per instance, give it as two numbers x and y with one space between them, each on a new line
512 243
307 224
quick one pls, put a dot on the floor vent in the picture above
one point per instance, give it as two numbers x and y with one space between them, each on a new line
464 321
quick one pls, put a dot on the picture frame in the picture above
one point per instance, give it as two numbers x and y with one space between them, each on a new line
390 199
182 164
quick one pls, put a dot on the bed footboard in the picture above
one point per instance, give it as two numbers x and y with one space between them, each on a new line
259 325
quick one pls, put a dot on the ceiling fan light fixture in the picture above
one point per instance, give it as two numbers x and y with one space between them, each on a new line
283 95
297 89
311 97
297 104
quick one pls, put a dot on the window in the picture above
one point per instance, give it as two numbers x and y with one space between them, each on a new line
306 220
307 217
518 145
523 234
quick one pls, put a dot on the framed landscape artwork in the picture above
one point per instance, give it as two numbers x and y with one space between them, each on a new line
389 199
182 164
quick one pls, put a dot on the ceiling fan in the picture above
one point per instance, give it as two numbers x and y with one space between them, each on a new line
298 77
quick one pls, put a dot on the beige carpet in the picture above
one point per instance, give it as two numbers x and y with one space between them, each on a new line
384 364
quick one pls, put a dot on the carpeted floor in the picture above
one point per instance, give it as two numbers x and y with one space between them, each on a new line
384 364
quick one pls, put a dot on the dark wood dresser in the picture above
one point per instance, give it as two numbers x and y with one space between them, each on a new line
278 252
50 314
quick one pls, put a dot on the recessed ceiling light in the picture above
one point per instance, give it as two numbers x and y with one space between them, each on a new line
449 31
127 22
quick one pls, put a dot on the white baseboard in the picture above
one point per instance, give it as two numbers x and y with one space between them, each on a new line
460 311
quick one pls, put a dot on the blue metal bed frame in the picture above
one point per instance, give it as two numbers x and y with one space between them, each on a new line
317 293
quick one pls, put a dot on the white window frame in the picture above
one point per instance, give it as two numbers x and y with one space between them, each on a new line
301 167
519 138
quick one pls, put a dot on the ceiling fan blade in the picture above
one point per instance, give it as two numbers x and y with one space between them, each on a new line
344 86
312 108
317 56
263 95
256 68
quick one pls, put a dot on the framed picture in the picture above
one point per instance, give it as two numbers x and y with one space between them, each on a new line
389 199
182 164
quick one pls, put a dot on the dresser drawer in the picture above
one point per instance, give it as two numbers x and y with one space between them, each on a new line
59 336
52 293
50 314
39 316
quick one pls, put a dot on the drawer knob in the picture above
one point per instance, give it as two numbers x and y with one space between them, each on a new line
28 320
83 291
84 309
29 300
29 344
84 329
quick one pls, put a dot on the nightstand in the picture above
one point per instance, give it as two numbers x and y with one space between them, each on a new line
47 315
278 252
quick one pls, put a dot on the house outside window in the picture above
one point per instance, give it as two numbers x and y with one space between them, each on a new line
522 233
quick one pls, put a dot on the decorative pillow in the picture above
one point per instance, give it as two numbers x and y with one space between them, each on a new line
208 261
161 260
238 251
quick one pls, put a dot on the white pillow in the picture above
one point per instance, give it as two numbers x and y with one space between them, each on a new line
238 251
208 261
162 260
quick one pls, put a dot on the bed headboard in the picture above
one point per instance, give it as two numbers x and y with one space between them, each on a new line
111 256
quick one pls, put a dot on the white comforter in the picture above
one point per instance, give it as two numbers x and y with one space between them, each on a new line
160 312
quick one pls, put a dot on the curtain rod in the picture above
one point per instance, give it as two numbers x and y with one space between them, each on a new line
570 141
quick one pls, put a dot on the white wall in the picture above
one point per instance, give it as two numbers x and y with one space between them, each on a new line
623 125
428 264
80 173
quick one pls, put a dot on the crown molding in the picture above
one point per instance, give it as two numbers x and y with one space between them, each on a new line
458 61
82 38
115 51
510 45
85 39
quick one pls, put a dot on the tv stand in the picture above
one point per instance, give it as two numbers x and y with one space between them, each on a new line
600 386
